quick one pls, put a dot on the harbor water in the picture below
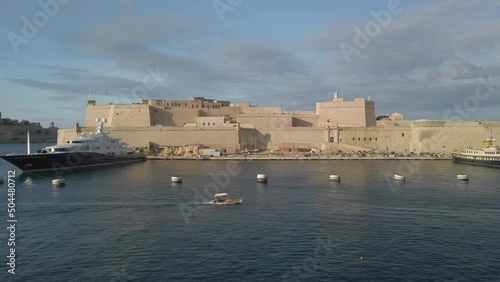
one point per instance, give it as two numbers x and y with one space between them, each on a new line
131 223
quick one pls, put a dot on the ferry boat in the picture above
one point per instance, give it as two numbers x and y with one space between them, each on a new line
97 149
489 155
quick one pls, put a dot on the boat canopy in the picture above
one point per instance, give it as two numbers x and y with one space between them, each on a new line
220 195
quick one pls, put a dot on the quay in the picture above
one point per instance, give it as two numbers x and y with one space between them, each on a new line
295 158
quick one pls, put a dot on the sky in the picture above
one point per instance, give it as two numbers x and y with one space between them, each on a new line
424 59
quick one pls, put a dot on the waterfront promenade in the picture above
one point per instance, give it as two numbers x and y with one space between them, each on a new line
298 157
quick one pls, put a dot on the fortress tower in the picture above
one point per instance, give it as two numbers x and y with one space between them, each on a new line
356 113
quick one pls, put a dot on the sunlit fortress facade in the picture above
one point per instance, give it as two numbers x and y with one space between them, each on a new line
334 125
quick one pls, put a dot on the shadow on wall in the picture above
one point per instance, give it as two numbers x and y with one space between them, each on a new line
251 139
161 117
296 122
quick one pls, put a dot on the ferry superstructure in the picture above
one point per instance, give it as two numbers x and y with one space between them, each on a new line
489 155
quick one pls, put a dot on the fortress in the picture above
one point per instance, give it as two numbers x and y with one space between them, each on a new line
334 125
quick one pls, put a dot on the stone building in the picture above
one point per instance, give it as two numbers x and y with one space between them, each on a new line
334 125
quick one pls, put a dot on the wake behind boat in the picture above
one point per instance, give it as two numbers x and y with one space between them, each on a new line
97 149
489 155
223 199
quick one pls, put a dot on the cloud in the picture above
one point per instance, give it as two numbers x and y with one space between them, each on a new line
248 72
428 58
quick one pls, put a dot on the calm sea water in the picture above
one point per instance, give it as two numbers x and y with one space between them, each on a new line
129 223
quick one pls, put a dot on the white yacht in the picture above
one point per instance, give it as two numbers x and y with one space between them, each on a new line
83 151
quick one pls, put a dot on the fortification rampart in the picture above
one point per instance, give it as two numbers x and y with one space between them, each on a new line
220 138
218 124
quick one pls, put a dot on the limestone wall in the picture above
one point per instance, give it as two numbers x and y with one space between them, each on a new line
261 110
304 121
273 139
118 115
381 139
210 121
357 113
219 138
418 136
268 128
449 136
173 117
422 136
265 121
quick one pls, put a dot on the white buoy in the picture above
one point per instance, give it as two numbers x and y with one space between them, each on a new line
176 179
335 177
399 177
261 178
59 182
463 177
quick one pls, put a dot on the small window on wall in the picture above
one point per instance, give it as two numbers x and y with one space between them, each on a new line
402 135
203 124
353 139
213 123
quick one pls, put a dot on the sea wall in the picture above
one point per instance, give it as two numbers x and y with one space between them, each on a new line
422 136
413 136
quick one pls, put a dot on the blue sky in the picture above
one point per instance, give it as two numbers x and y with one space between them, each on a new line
424 59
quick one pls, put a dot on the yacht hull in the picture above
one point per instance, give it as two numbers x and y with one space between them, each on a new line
475 161
64 161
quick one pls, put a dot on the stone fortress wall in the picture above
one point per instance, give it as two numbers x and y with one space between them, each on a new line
226 126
